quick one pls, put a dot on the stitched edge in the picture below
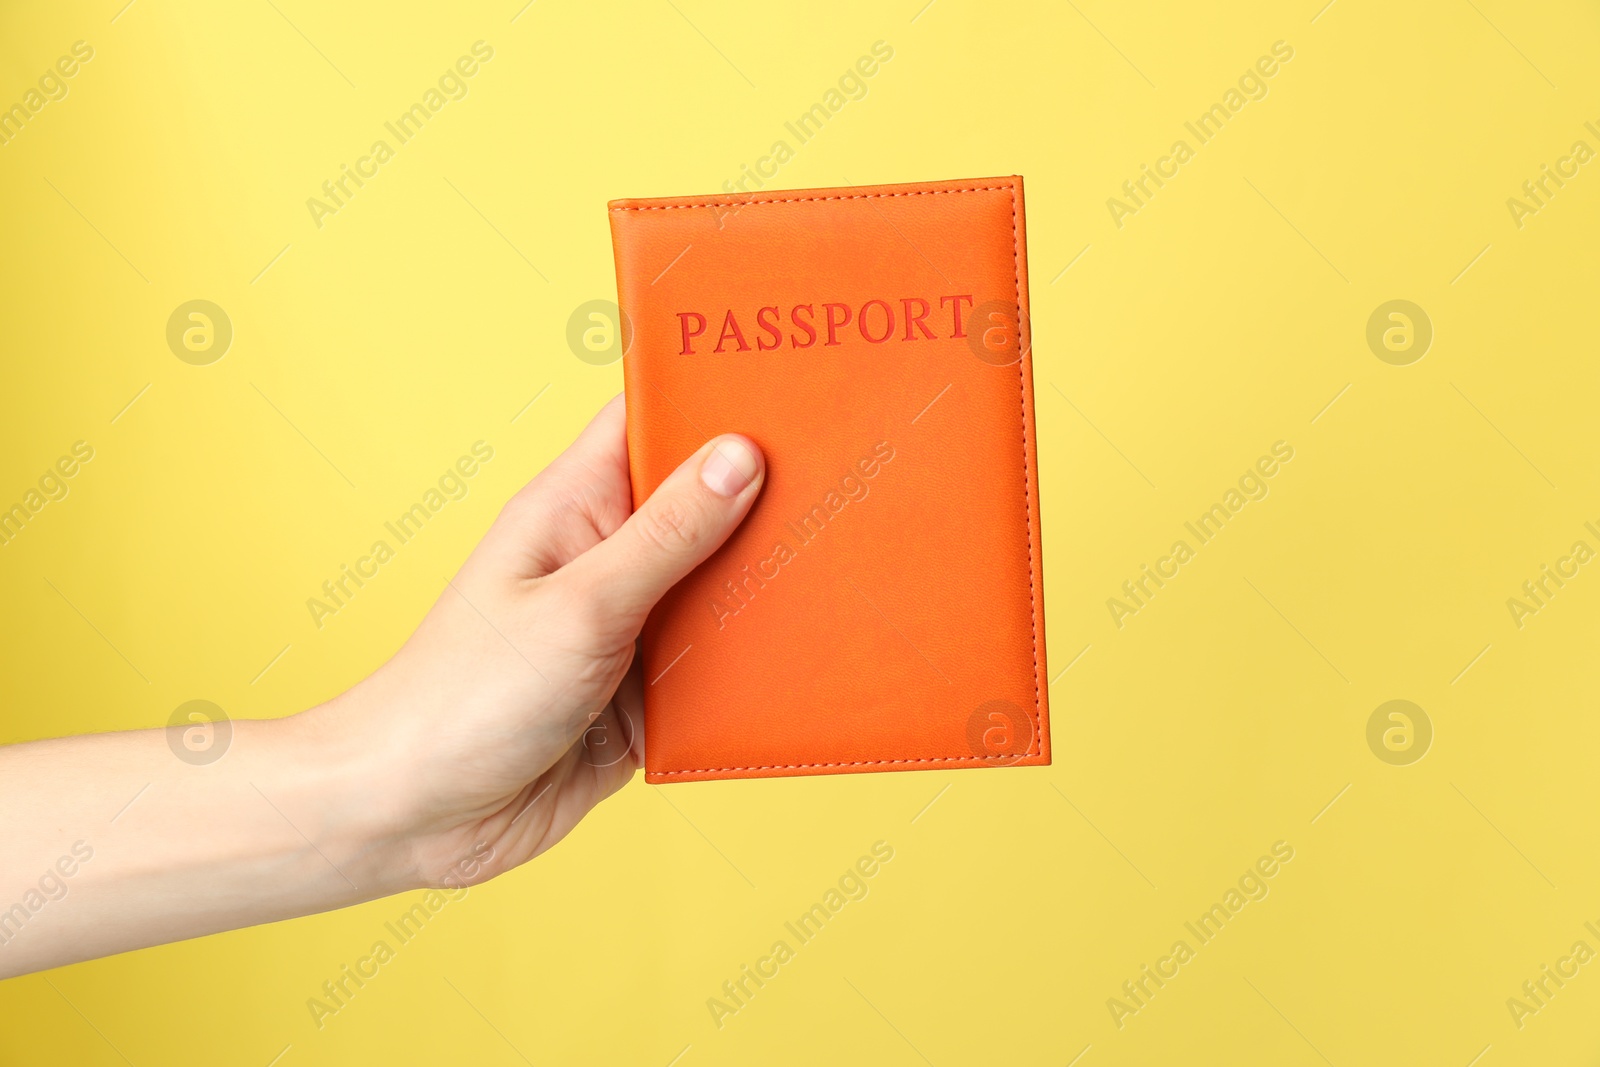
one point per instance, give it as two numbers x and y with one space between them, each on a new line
1008 760
1027 470
815 199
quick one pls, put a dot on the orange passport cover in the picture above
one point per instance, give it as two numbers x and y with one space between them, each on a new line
881 608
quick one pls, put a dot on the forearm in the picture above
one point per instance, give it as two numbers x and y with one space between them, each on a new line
113 843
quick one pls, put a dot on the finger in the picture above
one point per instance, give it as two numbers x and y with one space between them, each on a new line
582 496
685 520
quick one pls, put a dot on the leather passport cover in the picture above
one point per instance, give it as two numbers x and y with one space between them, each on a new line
881 608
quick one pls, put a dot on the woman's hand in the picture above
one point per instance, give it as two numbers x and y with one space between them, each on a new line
518 703
513 710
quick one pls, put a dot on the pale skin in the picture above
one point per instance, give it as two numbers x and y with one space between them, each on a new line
462 757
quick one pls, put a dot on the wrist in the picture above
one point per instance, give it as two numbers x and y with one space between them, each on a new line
352 783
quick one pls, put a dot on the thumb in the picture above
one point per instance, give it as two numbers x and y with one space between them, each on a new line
686 519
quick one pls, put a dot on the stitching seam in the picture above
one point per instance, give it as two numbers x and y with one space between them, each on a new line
855 763
817 199
1027 473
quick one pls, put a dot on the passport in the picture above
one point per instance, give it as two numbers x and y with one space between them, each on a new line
881 608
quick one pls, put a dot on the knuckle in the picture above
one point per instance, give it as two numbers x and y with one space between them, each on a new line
668 526
535 499
514 512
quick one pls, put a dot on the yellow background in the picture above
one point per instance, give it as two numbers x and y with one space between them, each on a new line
1223 317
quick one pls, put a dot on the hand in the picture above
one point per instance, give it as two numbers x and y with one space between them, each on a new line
517 705
463 756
